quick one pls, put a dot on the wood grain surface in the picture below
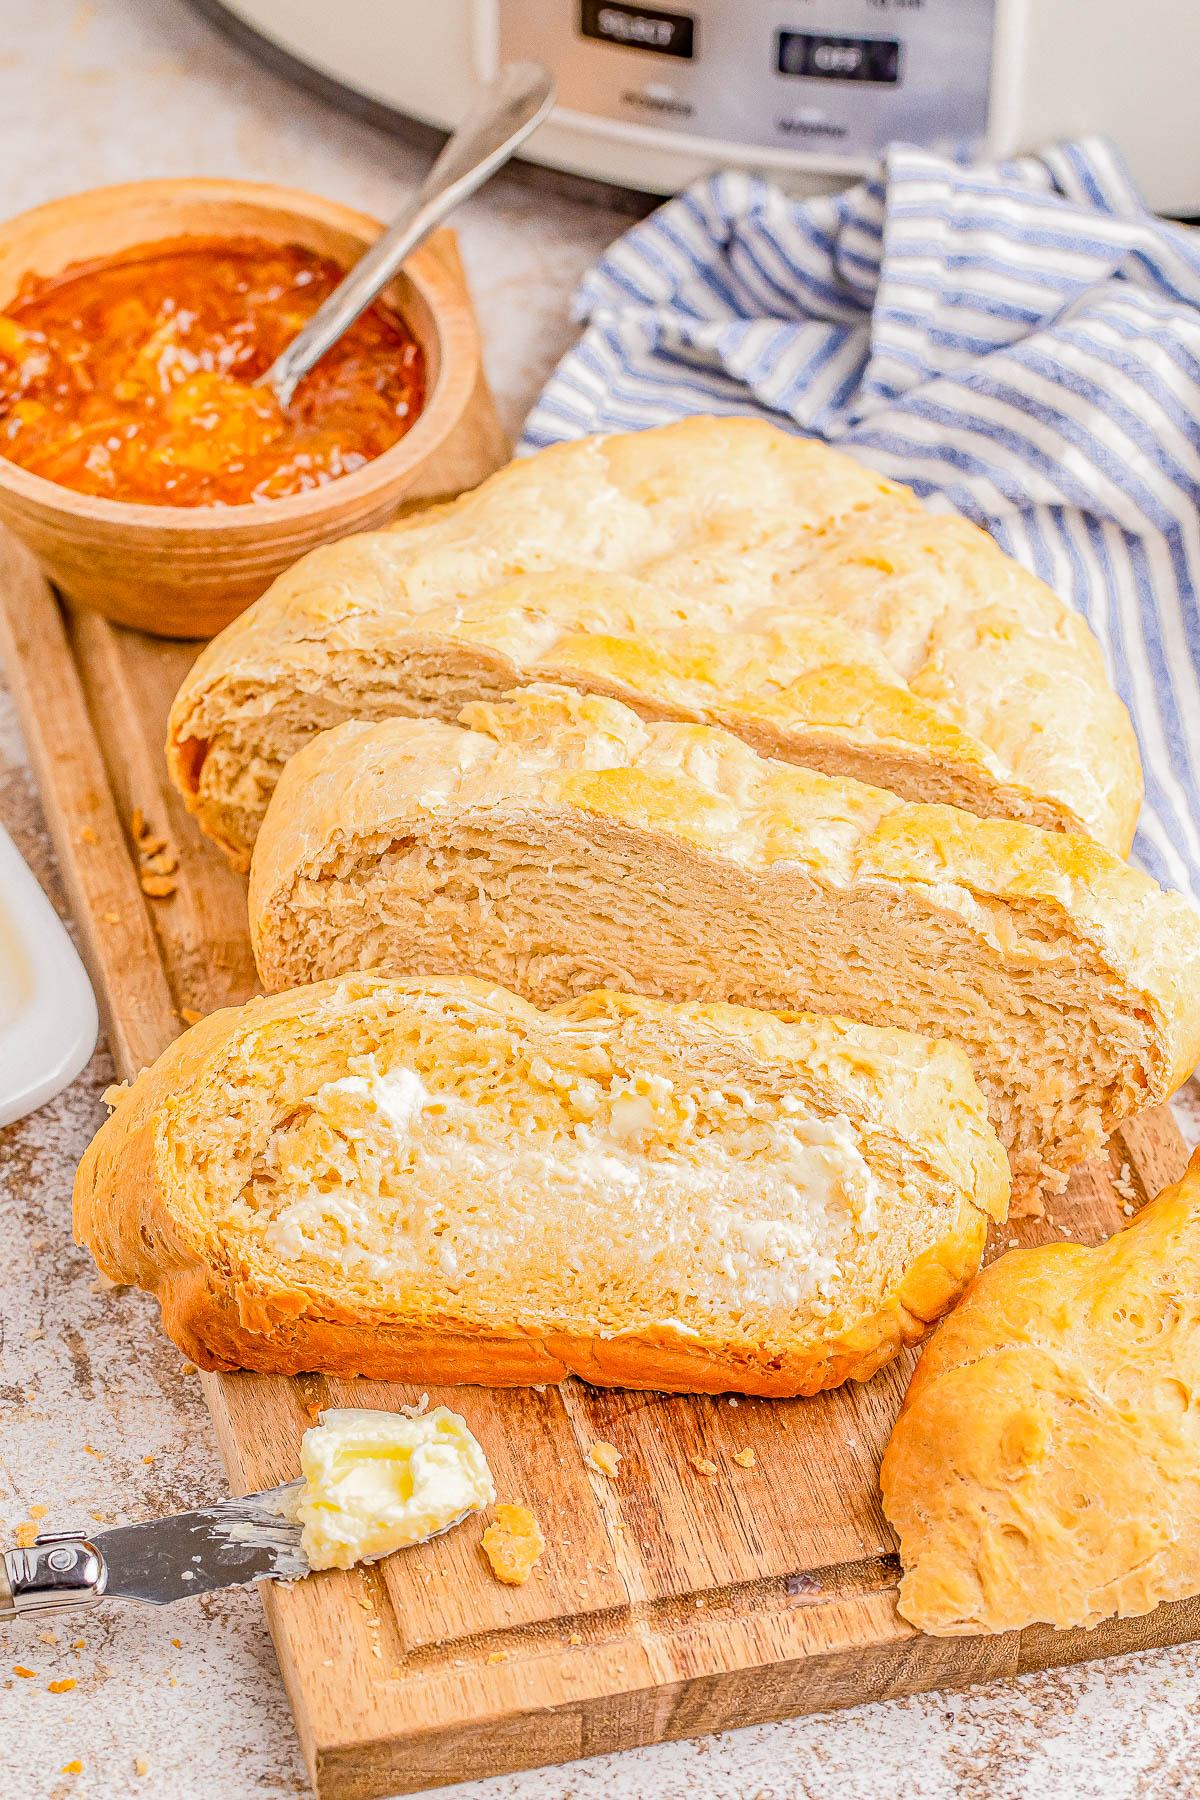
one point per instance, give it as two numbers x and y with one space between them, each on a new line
669 1602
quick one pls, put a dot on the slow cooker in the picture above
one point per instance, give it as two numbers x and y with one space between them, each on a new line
649 97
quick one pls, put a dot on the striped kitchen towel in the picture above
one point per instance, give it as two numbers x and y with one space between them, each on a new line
1019 342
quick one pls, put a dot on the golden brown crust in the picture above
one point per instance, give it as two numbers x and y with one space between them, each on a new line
1046 1464
144 1216
825 617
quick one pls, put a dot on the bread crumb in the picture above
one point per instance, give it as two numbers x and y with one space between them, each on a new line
499 1656
147 1459
574 1638
704 1465
188 1368
61 1687
137 823
177 1643
26 1674
1123 1183
99 1518
87 836
111 918
26 1534
512 1543
163 862
141 1765
732 1401
151 846
38 1512
1127 1209
189 1015
79 1644
605 1456
92 1451
417 1411
745 1459
159 887
74 1767
47 1637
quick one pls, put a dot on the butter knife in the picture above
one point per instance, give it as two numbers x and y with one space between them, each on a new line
220 1546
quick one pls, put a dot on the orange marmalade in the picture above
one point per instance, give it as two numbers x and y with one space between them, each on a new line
134 379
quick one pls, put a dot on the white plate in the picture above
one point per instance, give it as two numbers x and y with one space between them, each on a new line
48 1021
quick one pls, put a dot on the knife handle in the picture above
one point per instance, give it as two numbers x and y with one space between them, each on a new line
59 1570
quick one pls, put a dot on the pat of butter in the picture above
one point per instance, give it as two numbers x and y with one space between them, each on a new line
378 1481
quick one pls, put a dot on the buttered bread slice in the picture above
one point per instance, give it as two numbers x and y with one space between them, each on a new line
716 570
559 843
432 1181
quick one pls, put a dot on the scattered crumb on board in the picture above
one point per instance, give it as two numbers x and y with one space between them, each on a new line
512 1543
606 1457
157 856
1123 1182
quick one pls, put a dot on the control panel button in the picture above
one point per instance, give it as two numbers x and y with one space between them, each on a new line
838 58
639 28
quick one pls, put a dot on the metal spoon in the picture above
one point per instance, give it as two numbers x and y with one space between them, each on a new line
507 110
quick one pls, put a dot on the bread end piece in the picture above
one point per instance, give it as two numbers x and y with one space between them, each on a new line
1045 1467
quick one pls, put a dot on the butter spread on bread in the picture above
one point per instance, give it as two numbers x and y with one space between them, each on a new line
433 1181
718 570
559 843
1045 1467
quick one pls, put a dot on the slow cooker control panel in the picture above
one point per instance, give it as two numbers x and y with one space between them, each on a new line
838 78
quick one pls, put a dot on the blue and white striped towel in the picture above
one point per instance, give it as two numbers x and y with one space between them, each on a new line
1019 342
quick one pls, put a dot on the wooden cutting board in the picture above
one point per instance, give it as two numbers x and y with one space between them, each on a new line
670 1602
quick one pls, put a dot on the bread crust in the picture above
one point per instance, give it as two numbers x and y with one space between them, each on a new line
957 676
145 1223
1045 1467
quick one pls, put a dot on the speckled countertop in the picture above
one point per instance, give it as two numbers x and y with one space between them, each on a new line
98 1418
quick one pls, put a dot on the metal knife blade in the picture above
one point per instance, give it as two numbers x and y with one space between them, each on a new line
225 1545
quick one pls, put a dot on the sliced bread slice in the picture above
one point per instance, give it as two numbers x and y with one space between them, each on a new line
903 649
432 1181
559 843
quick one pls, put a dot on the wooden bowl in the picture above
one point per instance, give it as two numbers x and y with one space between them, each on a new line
184 571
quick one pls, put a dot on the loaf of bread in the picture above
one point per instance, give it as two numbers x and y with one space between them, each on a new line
865 637
431 1181
559 843
1046 1464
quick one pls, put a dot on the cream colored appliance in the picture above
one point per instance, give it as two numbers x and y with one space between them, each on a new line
806 90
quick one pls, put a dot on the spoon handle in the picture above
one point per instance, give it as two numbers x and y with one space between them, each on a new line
505 113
